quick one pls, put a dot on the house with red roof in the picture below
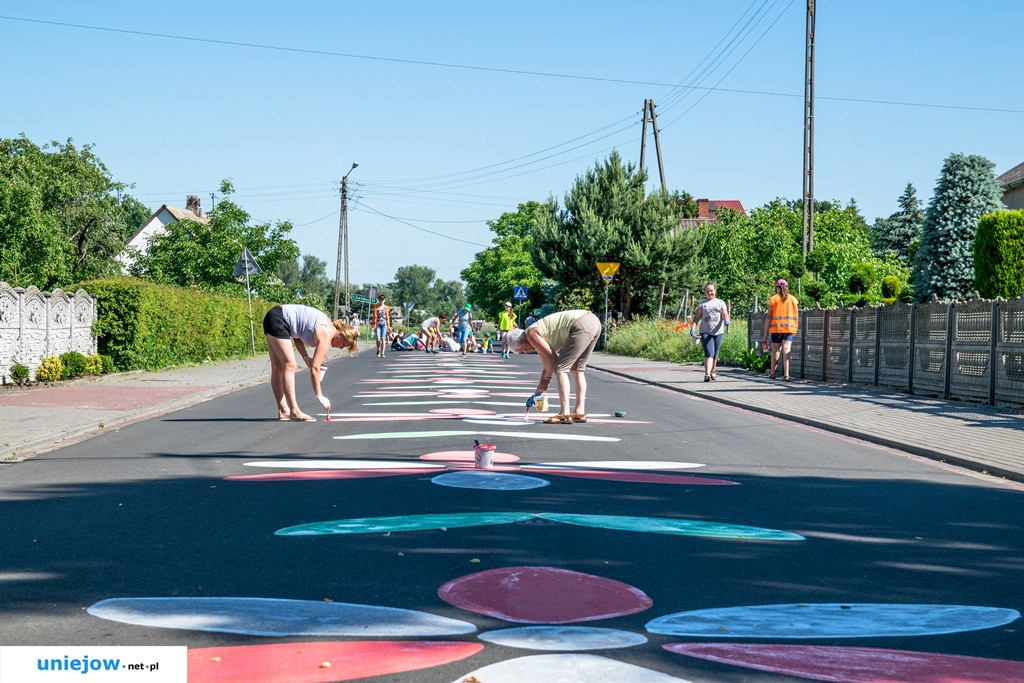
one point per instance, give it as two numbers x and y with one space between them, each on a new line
707 212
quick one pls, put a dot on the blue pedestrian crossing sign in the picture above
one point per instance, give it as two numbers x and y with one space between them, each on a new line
519 293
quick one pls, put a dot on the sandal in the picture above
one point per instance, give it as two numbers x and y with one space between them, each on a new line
786 379
559 419
707 378
579 417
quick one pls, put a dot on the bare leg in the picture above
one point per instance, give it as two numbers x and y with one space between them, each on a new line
563 393
282 378
787 351
775 356
581 392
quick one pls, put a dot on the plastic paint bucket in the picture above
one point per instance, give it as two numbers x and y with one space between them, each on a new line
542 404
483 455
323 371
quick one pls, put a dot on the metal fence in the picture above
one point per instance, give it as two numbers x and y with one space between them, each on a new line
970 350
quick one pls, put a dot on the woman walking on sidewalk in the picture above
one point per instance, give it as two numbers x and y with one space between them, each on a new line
713 318
302 326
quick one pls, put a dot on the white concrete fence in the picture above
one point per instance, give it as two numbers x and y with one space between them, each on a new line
36 324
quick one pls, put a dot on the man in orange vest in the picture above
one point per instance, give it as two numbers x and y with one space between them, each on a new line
781 322
381 324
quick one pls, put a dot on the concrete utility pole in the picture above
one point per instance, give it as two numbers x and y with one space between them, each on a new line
808 196
343 245
649 115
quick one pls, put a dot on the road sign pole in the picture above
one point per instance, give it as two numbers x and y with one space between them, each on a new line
604 332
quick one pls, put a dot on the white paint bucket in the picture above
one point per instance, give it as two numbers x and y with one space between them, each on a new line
483 455
323 371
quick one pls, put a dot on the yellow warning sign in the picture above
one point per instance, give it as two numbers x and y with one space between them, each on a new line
607 269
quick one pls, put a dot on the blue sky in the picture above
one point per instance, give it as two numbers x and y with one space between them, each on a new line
459 111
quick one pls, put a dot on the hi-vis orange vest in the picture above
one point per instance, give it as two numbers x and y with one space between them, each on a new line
785 316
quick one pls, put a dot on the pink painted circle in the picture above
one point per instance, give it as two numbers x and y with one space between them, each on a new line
461 411
543 595
466 457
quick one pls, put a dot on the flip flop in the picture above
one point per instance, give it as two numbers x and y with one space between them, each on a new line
308 418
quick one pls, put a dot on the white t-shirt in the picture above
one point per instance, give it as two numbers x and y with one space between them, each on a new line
711 320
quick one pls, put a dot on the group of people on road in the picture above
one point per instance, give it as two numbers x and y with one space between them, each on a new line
564 341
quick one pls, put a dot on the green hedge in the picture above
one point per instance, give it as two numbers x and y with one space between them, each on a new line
141 325
999 255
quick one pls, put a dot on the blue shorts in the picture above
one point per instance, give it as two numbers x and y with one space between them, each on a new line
463 335
382 331
711 343
778 337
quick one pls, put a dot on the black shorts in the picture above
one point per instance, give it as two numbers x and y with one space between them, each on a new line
274 324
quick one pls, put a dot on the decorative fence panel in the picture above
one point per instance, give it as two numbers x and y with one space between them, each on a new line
971 350
35 324
862 360
894 346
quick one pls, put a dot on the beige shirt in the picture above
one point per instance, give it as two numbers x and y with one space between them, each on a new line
555 327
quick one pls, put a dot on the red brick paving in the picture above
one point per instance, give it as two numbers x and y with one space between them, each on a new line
100 397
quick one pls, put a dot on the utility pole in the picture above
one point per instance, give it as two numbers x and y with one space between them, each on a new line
808 196
649 115
343 246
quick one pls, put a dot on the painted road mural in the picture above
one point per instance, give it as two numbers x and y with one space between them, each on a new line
555 618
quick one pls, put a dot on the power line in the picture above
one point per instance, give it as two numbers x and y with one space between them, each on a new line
471 67
416 227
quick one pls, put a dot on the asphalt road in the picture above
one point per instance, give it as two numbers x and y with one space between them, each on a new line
866 536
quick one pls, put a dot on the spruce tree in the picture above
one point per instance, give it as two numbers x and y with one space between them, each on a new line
897 232
966 190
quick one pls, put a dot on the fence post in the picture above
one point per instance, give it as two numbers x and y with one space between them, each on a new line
950 313
992 353
878 340
849 354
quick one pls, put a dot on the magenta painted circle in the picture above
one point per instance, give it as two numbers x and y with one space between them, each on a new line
543 595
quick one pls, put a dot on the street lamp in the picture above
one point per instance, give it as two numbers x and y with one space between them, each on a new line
343 244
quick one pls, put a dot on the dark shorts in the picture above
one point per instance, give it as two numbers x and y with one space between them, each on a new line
711 343
274 324
778 337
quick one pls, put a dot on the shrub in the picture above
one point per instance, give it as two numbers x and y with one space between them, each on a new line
107 363
814 290
861 278
19 373
999 255
74 364
851 300
50 369
891 287
142 325
93 365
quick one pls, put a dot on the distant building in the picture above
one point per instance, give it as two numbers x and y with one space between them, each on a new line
707 212
1013 187
193 211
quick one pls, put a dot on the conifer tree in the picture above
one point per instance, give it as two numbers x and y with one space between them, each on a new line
898 232
966 190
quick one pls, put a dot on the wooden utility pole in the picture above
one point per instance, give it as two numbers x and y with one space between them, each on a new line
649 115
808 196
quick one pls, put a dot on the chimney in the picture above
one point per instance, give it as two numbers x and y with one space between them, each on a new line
702 208
192 204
